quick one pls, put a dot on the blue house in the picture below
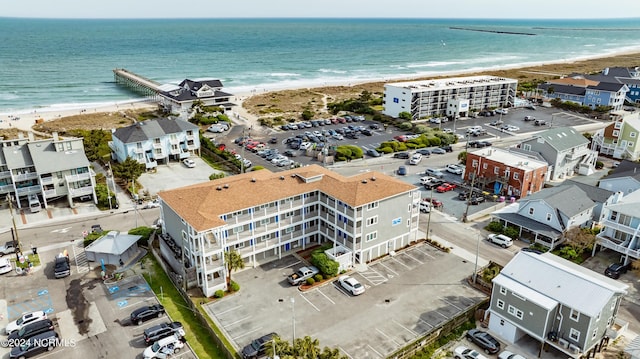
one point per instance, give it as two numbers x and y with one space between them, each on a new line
153 141
606 94
622 75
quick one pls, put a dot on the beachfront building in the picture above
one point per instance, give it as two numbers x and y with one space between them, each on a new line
601 94
629 76
625 178
180 99
153 141
452 97
265 216
36 172
556 302
621 227
504 172
545 216
621 138
566 151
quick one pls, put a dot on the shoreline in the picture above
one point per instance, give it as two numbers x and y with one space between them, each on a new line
28 117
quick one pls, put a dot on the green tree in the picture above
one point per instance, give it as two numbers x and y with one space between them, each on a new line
462 157
580 239
233 261
405 116
128 170
306 348
307 115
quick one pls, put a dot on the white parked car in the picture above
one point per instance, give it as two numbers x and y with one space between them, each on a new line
5 266
434 120
509 355
426 180
351 285
164 348
305 145
189 162
246 163
216 128
463 352
454 168
415 159
473 129
500 239
425 207
25 319
338 137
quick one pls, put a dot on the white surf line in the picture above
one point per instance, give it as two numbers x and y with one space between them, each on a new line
405 328
311 304
388 337
247 333
390 270
344 351
375 351
230 309
404 265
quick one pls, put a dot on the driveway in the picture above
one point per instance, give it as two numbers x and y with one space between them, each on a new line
403 301
176 175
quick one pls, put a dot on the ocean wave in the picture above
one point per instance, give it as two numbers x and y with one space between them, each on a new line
433 64
283 74
332 71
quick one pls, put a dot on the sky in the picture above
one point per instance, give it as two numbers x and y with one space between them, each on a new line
490 9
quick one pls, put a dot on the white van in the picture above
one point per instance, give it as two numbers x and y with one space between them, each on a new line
415 159
425 207
500 239
34 203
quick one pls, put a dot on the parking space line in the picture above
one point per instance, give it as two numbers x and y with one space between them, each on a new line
324 295
389 269
291 265
237 321
228 310
341 290
453 305
423 321
375 351
128 305
382 280
441 314
404 265
388 337
246 333
311 304
344 352
415 259
426 253
405 328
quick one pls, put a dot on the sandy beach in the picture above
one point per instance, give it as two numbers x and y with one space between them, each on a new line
24 120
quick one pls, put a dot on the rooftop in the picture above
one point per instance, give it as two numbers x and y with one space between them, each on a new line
454 82
513 159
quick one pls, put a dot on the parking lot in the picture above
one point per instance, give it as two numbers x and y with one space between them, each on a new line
403 301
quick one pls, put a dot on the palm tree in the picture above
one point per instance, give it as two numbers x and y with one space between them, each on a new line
328 353
233 261
306 348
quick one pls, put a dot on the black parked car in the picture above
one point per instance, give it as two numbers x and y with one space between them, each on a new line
424 151
475 200
615 270
145 313
401 155
29 331
257 347
484 340
447 148
157 332
35 345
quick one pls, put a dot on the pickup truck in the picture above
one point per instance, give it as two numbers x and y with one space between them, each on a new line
302 274
7 248
62 268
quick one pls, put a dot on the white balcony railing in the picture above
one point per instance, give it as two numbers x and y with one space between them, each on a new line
80 191
608 242
78 177
28 190
25 176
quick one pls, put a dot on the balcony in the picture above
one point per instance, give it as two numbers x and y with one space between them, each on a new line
6 188
607 223
25 176
77 177
24 191
5 174
46 180
75 192
614 244
50 193
175 150
577 153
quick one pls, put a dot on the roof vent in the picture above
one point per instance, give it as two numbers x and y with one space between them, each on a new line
219 188
373 178
226 185
282 178
253 180
364 181
293 175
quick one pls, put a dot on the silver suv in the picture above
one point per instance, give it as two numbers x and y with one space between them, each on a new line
434 172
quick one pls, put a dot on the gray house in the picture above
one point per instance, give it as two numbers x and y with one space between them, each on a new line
556 302
600 196
544 216
113 248
565 150
625 178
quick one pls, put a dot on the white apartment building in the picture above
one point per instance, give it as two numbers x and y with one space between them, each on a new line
451 97
621 227
266 216
36 172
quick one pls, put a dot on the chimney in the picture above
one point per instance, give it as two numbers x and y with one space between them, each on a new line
55 136
31 138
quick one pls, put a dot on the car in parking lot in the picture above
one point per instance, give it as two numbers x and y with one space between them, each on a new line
164 348
145 313
500 239
529 118
401 155
424 151
28 331
510 128
472 129
373 153
425 207
433 172
35 345
496 123
7 248
415 159
257 347
484 340
509 355
434 202
445 187
615 270
454 168
5 266
24 320
351 285
540 122
438 151
462 352
189 163
160 331
402 171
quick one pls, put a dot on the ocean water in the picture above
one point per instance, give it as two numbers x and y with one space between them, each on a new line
57 64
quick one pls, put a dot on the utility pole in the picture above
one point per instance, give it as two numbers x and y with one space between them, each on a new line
107 182
13 221
466 210
431 208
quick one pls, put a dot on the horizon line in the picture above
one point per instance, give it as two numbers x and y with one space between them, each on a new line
317 18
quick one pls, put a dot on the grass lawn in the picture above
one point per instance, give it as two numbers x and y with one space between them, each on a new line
197 335
33 258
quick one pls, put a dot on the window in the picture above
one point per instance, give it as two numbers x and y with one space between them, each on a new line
496 170
239 245
484 166
574 334
575 315
237 229
614 215
372 205
474 163
500 304
531 210
595 332
371 236
616 133
527 147
503 290
515 312
549 217
630 144
372 220
289 230
632 134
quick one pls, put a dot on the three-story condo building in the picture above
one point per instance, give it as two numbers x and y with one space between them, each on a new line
265 216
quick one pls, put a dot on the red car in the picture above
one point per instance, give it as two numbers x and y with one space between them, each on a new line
434 202
445 187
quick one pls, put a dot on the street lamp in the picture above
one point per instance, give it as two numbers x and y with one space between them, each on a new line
475 268
293 319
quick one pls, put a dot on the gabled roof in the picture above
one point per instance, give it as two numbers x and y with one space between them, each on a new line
204 204
573 81
189 96
113 243
47 160
562 138
629 205
560 280
596 194
607 86
570 199
145 130
197 84
17 156
566 89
